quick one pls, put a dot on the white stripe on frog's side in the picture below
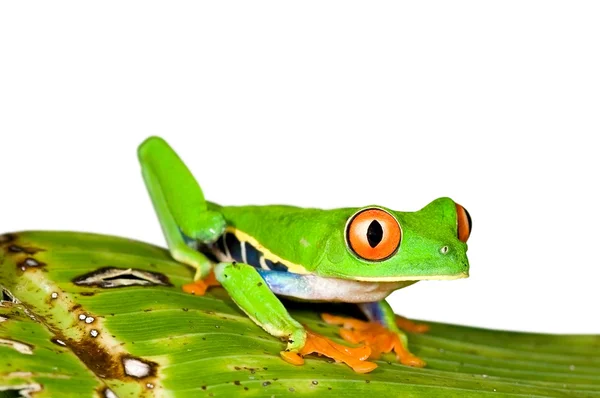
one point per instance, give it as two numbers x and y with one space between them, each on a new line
263 264
243 248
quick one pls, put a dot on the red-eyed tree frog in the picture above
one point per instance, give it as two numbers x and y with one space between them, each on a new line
353 255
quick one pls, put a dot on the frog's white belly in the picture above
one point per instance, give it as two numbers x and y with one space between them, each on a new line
317 288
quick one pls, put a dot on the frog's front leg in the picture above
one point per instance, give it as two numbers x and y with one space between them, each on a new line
380 333
181 209
253 295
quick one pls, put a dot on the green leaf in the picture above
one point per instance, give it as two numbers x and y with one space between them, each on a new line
68 328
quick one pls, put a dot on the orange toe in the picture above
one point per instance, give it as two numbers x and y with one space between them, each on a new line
200 286
292 357
375 336
315 343
410 326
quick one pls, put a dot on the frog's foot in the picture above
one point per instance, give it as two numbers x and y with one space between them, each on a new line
353 357
410 326
375 336
200 286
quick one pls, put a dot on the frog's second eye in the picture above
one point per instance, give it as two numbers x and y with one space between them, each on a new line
373 234
463 223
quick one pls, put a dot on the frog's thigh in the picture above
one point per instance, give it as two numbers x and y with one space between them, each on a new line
250 292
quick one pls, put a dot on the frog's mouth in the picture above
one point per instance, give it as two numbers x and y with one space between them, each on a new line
410 278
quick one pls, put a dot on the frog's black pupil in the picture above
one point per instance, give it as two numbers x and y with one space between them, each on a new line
374 233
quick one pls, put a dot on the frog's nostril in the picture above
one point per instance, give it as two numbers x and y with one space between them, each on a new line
444 250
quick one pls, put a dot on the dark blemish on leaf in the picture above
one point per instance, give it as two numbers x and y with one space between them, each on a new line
148 310
112 277
185 309
237 382
29 263
259 284
15 249
329 388
314 382
291 389
75 307
24 249
275 378
266 383
95 357
20 346
87 294
7 296
246 388
237 368
203 387
367 381
106 393
137 367
209 312
7 238
106 365
59 342
266 368
203 338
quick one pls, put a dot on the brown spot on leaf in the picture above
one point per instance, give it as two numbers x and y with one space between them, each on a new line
7 296
58 341
138 367
7 238
30 263
95 357
24 249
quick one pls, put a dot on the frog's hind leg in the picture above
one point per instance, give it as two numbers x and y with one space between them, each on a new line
181 209
380 333
252 292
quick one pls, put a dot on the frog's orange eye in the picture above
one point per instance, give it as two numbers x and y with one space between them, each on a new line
463 223
373 234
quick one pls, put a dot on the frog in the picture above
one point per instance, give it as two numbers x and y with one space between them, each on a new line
262 253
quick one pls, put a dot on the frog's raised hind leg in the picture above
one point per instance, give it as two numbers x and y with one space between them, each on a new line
180 206
381 333
253 295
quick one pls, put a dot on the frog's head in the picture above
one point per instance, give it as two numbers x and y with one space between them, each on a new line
379 244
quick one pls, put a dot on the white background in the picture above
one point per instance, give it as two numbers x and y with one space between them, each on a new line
325 104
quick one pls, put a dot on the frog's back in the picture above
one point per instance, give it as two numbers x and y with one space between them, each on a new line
276 237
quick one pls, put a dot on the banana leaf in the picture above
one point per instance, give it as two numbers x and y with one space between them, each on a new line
100 316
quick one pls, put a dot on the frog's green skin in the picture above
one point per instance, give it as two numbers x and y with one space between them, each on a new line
302 253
